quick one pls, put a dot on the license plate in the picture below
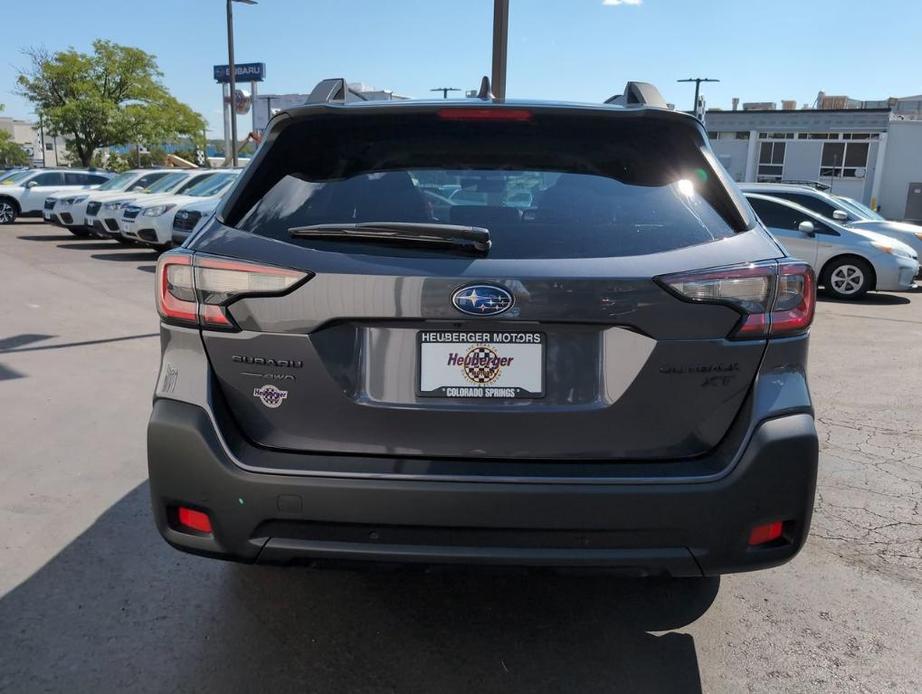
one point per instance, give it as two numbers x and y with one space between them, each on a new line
481 364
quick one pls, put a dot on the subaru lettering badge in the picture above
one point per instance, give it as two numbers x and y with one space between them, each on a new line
482 300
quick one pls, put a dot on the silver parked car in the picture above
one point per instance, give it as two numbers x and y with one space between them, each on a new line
849 262
847 211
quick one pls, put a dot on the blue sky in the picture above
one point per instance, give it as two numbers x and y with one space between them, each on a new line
580 50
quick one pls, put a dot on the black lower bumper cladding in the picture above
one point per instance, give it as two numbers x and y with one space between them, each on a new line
674 528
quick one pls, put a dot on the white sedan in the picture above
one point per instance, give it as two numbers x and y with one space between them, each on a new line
150 220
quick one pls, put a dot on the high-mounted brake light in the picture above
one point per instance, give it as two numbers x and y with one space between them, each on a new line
196 290
775 298
493 113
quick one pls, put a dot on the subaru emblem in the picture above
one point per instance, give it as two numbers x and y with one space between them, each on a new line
482 300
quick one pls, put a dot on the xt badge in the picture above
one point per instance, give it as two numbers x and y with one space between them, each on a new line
270 395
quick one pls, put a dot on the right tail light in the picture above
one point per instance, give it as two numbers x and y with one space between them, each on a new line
196 289
775 298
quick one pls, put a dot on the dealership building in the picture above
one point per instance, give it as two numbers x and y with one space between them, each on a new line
870 151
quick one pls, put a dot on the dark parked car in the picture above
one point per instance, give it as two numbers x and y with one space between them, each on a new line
611 379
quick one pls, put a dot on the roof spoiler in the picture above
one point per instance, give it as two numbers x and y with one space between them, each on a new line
638 94
333 90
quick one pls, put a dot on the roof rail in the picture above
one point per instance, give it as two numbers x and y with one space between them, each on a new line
638 94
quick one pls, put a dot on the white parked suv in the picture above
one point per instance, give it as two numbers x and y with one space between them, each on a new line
69 209
105 222
841 209
149 220
24 194
191 217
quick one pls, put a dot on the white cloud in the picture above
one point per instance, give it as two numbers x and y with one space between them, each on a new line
615 3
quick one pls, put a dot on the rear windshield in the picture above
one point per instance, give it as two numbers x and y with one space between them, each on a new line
544 190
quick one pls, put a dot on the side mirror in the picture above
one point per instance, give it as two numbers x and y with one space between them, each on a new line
806 228
840 215
31 184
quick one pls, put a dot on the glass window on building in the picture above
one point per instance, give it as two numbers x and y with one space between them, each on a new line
844 159
771 161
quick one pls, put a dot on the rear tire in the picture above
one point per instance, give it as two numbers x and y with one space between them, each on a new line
82 233
848 278
8 211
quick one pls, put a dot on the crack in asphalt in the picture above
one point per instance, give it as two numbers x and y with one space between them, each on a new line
869 494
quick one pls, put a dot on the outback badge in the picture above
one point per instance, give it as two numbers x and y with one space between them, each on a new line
270 395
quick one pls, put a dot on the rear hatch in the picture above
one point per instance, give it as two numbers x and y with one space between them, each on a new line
556 343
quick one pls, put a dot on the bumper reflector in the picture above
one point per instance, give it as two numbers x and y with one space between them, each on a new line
767 532
194 520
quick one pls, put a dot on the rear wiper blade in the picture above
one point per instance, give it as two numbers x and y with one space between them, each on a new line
473 238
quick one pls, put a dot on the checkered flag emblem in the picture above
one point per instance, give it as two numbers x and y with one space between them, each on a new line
483 367
270 396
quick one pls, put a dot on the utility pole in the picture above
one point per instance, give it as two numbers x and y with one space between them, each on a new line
500 43
697 81
41 130
444 90
232 70
233 82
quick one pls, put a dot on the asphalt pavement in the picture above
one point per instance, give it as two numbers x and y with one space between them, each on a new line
91 599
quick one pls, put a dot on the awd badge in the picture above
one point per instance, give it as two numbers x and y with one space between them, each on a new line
270 395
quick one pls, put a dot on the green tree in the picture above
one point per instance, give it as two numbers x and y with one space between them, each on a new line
109 97
11 154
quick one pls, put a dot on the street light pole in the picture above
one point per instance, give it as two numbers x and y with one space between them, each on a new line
232 74
697 81
500 43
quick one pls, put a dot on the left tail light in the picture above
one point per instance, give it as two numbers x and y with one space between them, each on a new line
774 298
196 290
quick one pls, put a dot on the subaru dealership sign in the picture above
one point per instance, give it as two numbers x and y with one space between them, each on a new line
244 72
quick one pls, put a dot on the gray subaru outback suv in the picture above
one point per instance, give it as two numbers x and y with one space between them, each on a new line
612 377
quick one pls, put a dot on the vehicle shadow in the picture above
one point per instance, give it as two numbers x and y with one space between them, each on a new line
869 299
148 268
54 237
92 245
127 256
119 610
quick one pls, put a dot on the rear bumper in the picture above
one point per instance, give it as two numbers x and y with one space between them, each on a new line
681 529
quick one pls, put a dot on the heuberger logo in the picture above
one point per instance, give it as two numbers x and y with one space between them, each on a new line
270 396
484 357
481 365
